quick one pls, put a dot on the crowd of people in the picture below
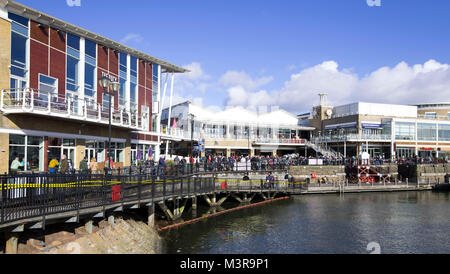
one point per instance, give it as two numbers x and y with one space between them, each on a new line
220 163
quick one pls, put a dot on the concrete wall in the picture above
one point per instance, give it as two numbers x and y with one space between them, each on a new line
424 173
333 173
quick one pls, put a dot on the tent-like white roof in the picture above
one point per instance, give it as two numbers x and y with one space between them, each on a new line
241 116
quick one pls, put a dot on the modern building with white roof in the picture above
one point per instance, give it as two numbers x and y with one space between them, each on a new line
390 130
234 130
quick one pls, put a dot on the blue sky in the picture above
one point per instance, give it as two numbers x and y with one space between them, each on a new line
256 52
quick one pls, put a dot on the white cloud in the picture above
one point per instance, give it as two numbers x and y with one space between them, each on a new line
132 37
242 79
402 84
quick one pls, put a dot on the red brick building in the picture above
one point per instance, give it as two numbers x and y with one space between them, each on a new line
52 103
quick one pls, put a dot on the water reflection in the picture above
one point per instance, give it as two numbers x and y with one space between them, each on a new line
408 222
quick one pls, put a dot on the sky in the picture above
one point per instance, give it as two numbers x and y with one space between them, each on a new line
282 54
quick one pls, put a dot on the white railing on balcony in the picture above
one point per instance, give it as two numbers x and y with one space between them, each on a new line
353 137
281 141
44 103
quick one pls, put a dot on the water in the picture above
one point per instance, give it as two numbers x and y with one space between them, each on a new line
401 223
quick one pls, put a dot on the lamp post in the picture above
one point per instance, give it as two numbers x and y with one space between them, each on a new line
114 86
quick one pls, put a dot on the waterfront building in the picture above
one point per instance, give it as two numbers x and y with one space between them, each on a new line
51 102
388 130
233 131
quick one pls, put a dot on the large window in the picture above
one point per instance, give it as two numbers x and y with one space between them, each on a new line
29 149
431 115
73 59
89 69
133 83
48 87
19 41
444 132
123 78
405 131
426 132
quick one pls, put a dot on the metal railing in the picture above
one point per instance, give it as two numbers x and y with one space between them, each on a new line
30 196
28 100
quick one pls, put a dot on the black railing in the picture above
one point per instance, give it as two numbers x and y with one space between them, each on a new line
33 195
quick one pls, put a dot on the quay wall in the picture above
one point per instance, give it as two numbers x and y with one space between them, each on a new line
437 173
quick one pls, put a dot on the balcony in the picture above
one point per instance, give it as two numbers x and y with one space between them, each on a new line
32 101
354 137
281 141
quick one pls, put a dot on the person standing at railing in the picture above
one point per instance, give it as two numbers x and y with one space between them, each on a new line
15 165
93 166
162 165
64 165
53 165
84 165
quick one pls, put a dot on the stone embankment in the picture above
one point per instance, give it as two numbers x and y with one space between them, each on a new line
127 236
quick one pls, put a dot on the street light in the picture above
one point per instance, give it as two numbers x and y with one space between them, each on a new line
106 83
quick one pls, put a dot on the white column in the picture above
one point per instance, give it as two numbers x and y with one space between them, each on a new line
170 110
127 85
81 75
158 116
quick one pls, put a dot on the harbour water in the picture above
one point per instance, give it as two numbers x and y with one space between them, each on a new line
397 223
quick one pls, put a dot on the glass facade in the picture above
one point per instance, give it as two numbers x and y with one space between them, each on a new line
19 45
133 83
90 70
426 132
29 149
444 132
73 60
122 78
405 131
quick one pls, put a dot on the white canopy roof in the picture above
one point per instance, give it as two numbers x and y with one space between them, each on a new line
238 116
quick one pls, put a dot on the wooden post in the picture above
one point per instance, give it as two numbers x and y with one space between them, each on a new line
12 240
151 216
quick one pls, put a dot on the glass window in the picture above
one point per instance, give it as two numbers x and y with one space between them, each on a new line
18 19
69 142
133 66
72 73
123 61
405 131
73 41
34 140
133 93
48 85
426 132
444 132
122 91
16 139
91 48
89 80
430 115
18 50
155 73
